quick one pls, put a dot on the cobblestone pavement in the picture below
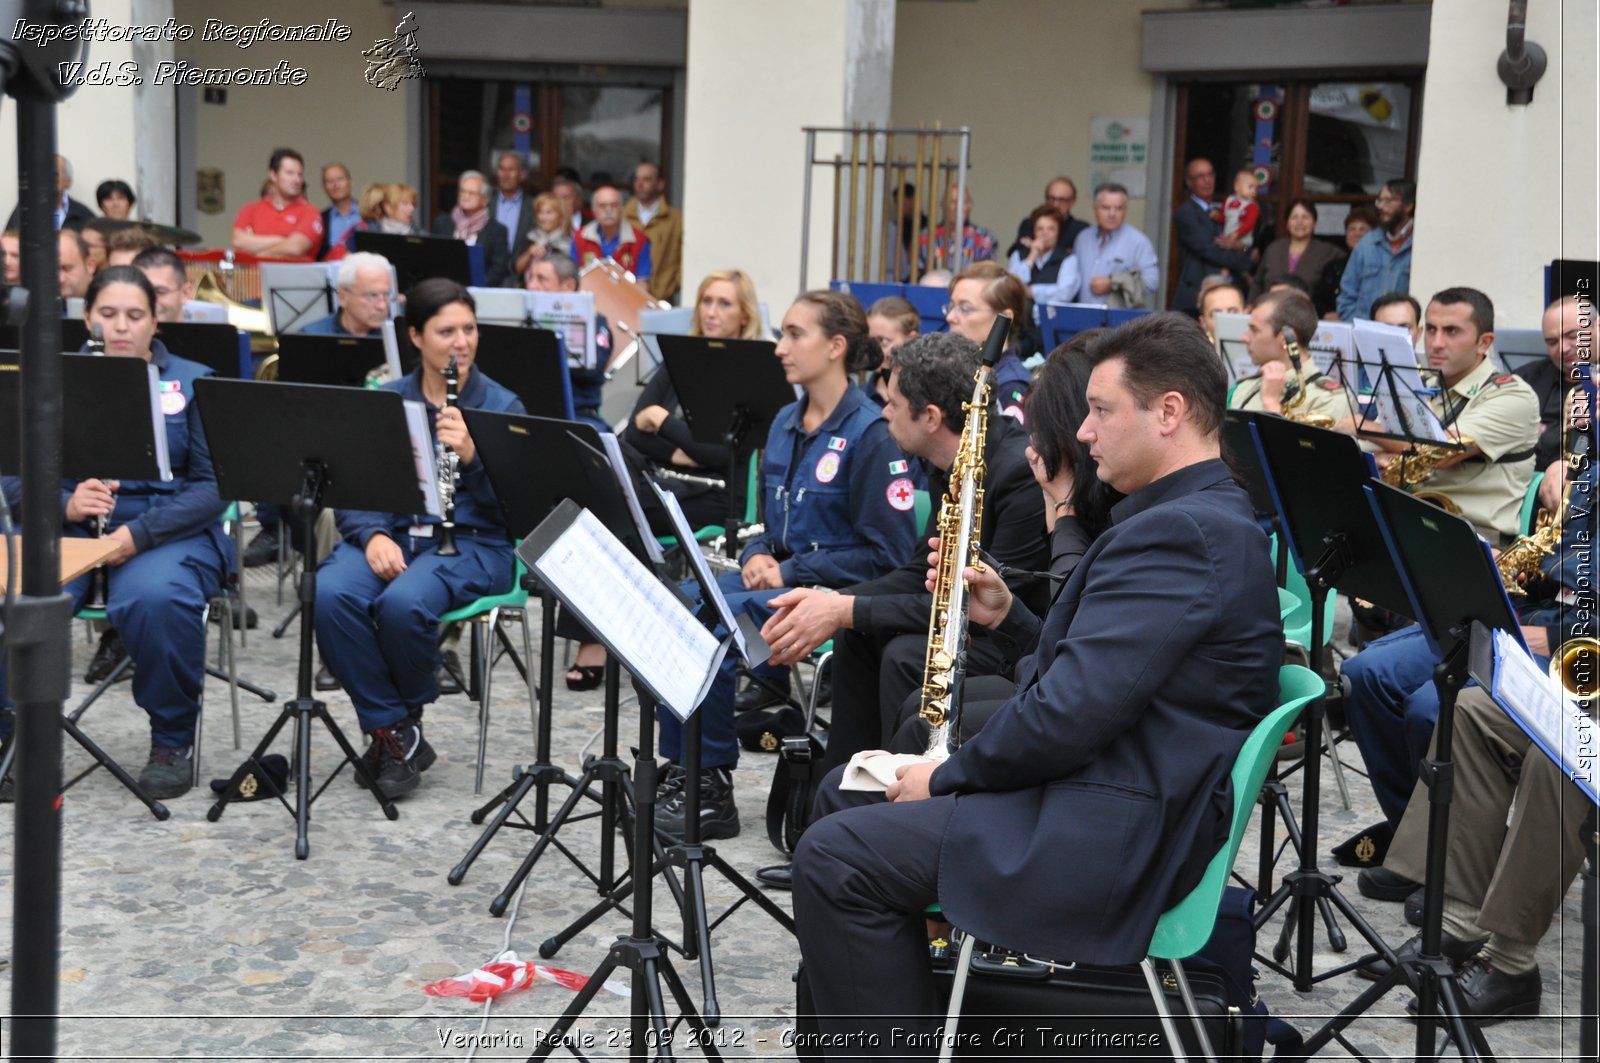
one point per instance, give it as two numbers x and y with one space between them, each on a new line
196 940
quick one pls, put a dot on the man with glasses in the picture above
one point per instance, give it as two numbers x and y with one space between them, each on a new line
473 222
363 290
611 236
1381 262
1062 195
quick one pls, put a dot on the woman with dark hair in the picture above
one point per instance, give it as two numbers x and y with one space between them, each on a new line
171 555
381 591
1077 509
979 294
116 199
1299 254
1048 267
837 500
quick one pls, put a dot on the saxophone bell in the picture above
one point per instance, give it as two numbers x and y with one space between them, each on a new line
1294 408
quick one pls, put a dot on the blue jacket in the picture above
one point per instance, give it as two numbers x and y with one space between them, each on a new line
838 501
476 505
1373 270
331 326
157 512
1012 382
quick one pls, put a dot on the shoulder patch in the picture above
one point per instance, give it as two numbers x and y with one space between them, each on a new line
1331 385
1504 378
837 442
902 495
897 467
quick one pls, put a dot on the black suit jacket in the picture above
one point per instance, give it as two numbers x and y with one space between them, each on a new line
1199 256
492 238
77 214
1545 380
1095 797
1012 531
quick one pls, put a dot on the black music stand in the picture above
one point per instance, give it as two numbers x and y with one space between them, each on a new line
1239 443
529 361
313 447
108 431
729 392
417 256
1317 479
1451 581
643 952
343 361
535 464
209 343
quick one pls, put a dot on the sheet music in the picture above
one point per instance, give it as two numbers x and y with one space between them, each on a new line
1379 346
1540 706
633 612
391 349
1333 344
422 456
619 469
702 571
158 423
571 314
1230 339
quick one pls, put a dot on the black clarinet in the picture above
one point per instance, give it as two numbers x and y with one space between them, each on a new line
99 578
448 461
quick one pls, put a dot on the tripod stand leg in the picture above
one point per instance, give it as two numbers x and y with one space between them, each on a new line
696 929
499 904
157 809
278 631
558 1029
508 800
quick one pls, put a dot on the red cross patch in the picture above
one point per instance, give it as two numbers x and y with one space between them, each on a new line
902 494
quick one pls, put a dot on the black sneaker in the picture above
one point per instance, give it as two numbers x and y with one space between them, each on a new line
403 755
263 549
719 815
106 658
325 679
168 773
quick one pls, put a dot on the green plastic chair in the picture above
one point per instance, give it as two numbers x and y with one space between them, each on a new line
485 615
1185 927
1297 625
1530 504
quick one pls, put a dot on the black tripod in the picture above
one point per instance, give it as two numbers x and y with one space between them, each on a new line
1428 973
691 857
643 951
304 708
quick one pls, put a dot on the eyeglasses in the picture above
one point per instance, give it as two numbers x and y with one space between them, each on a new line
961 309
370 297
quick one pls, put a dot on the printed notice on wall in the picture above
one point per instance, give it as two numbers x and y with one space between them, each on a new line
1118 150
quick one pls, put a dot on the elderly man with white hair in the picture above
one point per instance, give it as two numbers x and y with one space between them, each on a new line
472 220
363 289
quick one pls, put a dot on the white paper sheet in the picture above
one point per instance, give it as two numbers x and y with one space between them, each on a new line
422 456
1540 706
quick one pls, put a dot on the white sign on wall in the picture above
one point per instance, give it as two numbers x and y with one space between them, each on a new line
1118 151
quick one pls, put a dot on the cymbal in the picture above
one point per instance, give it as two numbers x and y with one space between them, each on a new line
167 234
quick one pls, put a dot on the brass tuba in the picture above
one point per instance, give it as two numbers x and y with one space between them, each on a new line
960 526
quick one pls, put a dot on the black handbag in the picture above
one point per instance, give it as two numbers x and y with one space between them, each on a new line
794 787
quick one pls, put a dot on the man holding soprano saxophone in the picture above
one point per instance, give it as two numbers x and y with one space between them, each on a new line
1093 798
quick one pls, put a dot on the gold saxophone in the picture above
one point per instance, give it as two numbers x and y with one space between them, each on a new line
1414 467
960 526
1525 556
1293 408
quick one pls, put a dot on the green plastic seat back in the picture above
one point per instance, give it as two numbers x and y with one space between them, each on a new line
1530 504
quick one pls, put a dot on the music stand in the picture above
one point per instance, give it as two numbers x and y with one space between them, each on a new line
295 294
534 465
529 361
1317 478
729 392
109 425
1451 581
417 256
657 652
312 447
216 346
343 361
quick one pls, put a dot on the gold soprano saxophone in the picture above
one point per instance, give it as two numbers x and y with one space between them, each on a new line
960 526
1524 557
1294 408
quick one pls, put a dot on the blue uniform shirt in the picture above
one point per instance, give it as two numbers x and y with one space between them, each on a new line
476 505
331 326
839 500
157 512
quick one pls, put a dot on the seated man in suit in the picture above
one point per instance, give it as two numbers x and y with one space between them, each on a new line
1156 660
472 220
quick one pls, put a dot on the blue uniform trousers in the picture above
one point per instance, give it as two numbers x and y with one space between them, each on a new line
382 639
157 600
719 742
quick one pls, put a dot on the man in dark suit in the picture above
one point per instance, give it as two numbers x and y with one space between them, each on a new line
1093 799
69 213
1202 249
473 221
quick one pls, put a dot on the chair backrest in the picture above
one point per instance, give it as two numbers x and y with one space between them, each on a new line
1530 504
922 506
1187 925
1297 625
1059 322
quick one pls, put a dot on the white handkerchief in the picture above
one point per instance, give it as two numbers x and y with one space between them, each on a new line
873 769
